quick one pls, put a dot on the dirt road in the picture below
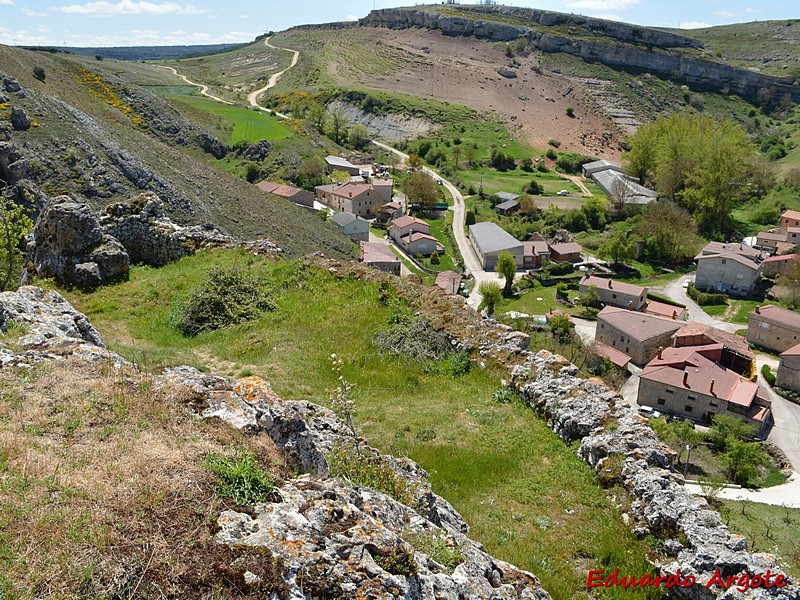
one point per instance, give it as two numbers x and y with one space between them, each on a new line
252 97
203 88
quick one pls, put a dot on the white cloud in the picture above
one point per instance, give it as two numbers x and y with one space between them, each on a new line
351 18
6 2
32 13
609 17
725 14
602 4
693 25
244 17
130 7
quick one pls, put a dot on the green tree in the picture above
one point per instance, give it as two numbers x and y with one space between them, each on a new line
456 155
669 232
506 267
619 247
422 189
790 279
414 161
14 226
726 427
38 73
561 328
742 460
590 300
318 116
251 172
470 153
338 126
469 217
491 295
311 172
358 137
595 210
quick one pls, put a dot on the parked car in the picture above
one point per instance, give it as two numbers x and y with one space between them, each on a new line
649 412
562 193
686 282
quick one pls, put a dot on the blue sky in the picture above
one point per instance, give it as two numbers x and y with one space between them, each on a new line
169 22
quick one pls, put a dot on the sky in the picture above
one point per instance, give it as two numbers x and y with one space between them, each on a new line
177 22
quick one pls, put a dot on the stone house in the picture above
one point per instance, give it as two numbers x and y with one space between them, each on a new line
449 281
420 244
686 382
489 240
337 163
728 268
774 265
788 375
359 198
774 328
407 224
616 293
789 219
735 353
380 256
637 334
351 225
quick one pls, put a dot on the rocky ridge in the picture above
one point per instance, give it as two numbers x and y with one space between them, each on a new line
631 48
335 539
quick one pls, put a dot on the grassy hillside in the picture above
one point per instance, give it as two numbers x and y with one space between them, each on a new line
87 114
526 495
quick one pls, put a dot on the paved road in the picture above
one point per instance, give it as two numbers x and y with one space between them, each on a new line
472 263
787 494
674 290
252 98
203 88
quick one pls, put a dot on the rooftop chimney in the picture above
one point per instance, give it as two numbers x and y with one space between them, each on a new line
686 378
758 309
674 315
660 349
630 304
711 389
609 284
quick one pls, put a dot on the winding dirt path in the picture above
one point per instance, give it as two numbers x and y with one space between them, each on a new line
252 97
203 88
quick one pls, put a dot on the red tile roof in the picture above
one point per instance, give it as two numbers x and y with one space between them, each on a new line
793 351
791 214
710 334
778 315
637 325
617 357
727 385
566 248
665 310
781 258
407 220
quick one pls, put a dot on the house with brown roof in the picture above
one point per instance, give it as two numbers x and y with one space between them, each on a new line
666 310
637 334
289 192
615 293
380 256
420 244
789 219
449 281
788 375
774 265
566 252
359 198
686 382
406 224
728 268
389 211
774 328
735 353
534 254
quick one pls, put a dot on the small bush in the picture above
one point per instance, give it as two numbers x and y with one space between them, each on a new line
504 396
768 375
570 112
38 73
437 547
240 478
470 217
397 561
457 364
554 143
229 296
435 259
413 336
370 471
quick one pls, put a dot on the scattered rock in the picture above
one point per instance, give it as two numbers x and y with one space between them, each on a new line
10 84
19 120
507 73
258 151
212 145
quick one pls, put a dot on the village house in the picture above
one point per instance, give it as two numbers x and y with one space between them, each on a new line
735 353
406 224
774 328
615 293
788 374
535 253
566 252
728 268
666 310
389 211
359 198
789 219
637 334
292 194
688 382
351 225
380 256
787 236
774 265
411 234
489 240
616 185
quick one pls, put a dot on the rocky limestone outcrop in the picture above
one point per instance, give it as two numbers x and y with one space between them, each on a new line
258 151
49 327
630 454
631 50
389 126
10 84
149 235
69 245
339 540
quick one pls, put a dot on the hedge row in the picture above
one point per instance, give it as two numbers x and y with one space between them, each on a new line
704 298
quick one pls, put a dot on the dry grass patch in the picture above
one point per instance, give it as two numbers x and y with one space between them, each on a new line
104 490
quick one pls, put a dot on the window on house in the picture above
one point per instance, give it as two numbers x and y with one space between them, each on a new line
692 397
613 295
661 402
764 325
739 276
714 403
670 391
761 336
687 408
724 261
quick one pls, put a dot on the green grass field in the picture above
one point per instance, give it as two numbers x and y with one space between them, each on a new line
248 125
527 496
